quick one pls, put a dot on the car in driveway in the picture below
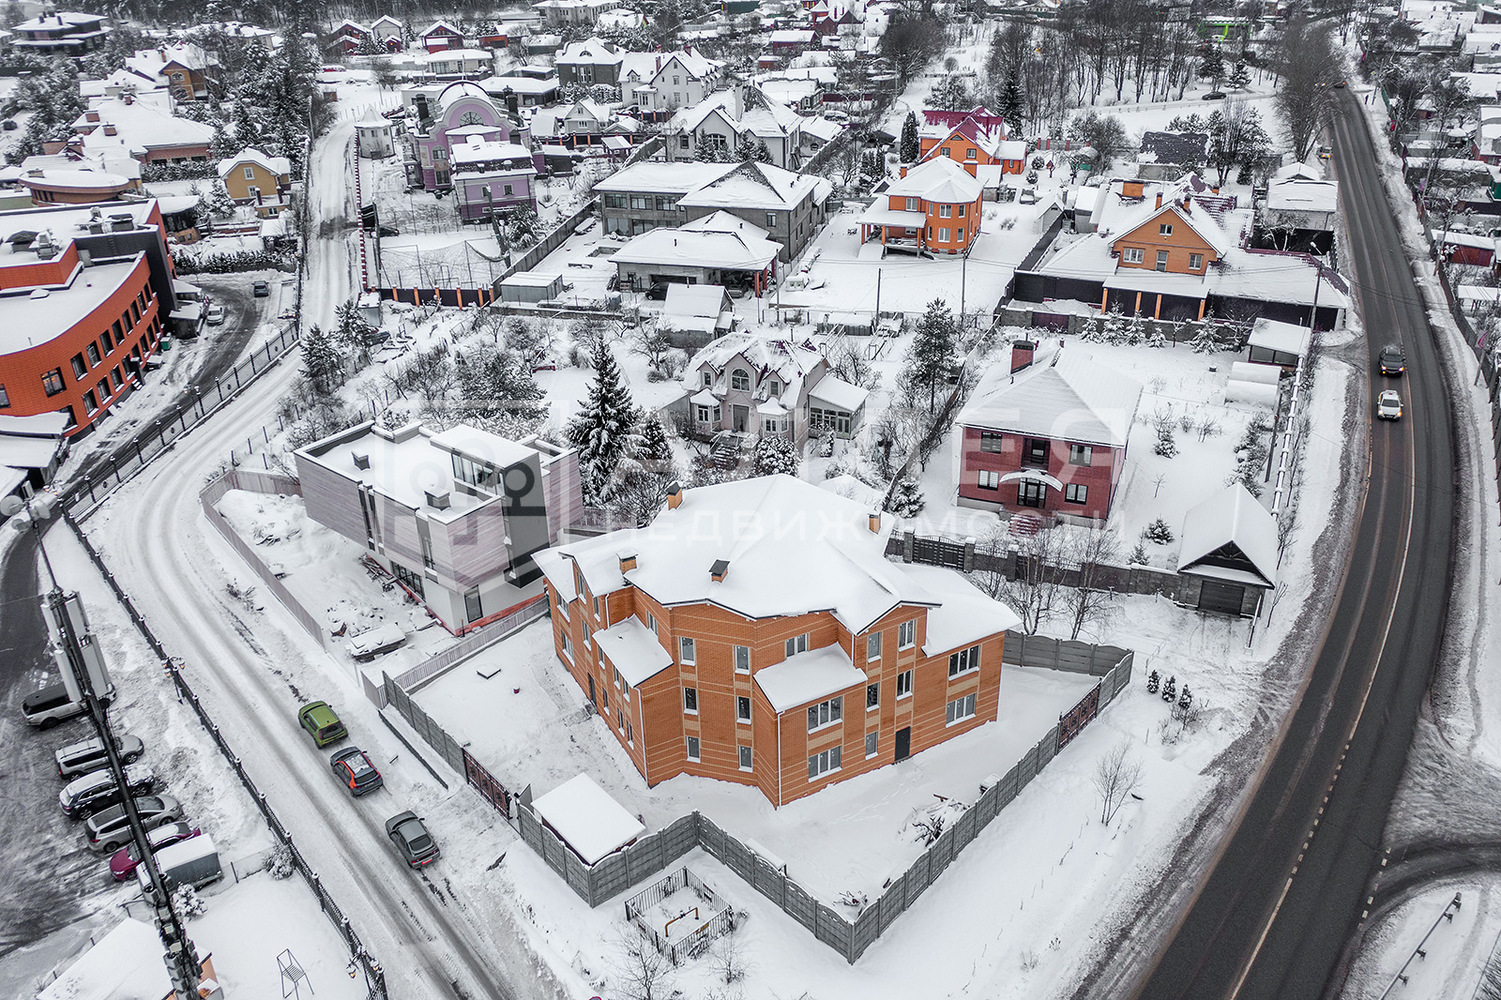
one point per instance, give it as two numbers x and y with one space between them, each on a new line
216 314
321 723
108 830
88 755
261 289
123 864
1389 405
417 846
352 766
97 790
1393 361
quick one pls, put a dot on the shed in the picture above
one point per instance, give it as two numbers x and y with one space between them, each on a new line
529 286
693 315
1228 553
1276 343
584 817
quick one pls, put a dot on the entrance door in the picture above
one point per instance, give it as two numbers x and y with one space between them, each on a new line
904 743
1031 493
593 699
740 415
1226 598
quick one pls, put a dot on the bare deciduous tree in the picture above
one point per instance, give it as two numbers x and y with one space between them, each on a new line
1090 551
642 972
1033 589
1309 67
1116 776
729 960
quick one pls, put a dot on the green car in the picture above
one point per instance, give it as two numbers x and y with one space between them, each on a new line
321 723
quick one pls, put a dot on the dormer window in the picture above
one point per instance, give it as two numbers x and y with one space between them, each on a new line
707 377
740 379
774 387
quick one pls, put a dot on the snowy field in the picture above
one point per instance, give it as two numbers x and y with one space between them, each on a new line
527 722
584 262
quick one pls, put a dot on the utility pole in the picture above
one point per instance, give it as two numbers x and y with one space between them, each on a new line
85 662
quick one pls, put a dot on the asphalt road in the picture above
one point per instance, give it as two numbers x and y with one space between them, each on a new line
47 876
1290 884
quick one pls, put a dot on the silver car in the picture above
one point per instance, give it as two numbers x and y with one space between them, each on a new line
1389 405
88 755
97 790
108 830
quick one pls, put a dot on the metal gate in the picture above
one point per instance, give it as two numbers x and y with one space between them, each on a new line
491 790
1225 598
1072 722
936 552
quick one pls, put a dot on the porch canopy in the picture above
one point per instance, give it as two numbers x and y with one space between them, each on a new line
1033 476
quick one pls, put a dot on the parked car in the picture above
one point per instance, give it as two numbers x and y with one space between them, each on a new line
1214 95
837 116
9 125
97 790
49 706
88 755
194 862
1389 405
321 723
108 829
411 838
216 314
123 864
1393 361
384 230
261 289
352 766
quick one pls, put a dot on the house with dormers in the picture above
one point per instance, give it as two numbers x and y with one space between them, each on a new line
977 141
253 178
755 383
470 146
1048 436
1177 252
189 72
935 208
660 83
441 35
582 123
714 128
755 632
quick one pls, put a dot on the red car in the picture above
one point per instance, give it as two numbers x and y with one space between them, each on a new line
123 865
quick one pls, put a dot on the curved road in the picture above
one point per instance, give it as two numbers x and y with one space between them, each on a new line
1289 887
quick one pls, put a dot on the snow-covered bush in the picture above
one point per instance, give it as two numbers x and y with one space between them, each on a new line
1158 531
279 863
187 902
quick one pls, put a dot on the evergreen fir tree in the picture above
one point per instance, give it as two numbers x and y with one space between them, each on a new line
745 147
604 431
1240 77
909 148
930 359
1115 327
1170 689
1185 701
1138 556
1212 66
775 456
1154 681
906 499
654 444
322 364
1158 531
1011 102
704 153
217 202
763 154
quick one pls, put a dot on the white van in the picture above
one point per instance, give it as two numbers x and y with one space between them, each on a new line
192 862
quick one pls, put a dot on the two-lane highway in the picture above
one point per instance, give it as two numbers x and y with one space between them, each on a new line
1289 886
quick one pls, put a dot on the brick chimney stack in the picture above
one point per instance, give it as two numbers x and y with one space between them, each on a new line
1021 355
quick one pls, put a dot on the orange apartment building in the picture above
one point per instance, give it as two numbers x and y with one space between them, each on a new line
86 296
755 632
934 208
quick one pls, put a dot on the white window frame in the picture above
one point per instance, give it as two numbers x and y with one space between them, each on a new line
1080 454
690 701
740 380
745 653
906 634
945 211
874 687
959 709
568 647
943 234
872 745
824 762
1164 229
1133 255
1076 493
964 661
873 644
250 173
989 479
1195 261
694 748
829 712
687 650
747 762
904 679
796 644
743 702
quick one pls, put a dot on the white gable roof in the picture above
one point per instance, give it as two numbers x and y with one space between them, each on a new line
1230 516
1072 399
938 179
585 816
278 165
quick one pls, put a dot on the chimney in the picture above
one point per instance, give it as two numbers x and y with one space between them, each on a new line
1159 199
718 570
91 116
674 496
128 97
438 500
110 129
361 460
627 561
1021 355
873 521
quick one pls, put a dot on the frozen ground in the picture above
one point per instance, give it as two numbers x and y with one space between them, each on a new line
526 721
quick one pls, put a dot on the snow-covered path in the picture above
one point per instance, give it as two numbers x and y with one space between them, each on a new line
252 668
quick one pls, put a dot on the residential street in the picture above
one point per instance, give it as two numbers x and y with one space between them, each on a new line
1273 915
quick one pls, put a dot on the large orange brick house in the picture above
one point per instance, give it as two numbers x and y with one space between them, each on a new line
754 632
976 140
935 208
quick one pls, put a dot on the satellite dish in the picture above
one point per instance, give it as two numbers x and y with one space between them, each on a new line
11 505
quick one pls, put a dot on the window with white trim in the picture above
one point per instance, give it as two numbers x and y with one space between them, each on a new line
1164 229
822 763
797 644
740 379
945 211
906 634
872 696
745 758
943 234
685 650
872 745
693 748
690 701
250 173
825 713
1075 492
964 660
873 646
1080 454
742 708
1195 261
960 709
1133 255
742 659
567 646
651 622
904 684
989 479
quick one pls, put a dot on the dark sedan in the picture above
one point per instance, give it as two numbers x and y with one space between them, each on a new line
411 838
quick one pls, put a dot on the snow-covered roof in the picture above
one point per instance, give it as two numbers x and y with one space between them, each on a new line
694 300
660 177
126 962
278 165
792 36
591 51
38 425
697 248
139 126
587 819
477 150
27 452
440 26
465 56
1284 338
633 650
939 179
757 185
1229 523
789 360
808 677
1072 399
1297 194
964 614
496 86
791 549
836 393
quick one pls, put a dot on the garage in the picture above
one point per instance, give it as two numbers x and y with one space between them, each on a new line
1227 557
1221 597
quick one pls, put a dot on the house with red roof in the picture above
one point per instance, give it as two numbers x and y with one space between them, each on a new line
976 140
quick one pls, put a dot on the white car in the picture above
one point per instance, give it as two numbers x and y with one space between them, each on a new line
1389 405
216 314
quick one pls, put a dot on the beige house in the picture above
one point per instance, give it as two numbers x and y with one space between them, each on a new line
253 178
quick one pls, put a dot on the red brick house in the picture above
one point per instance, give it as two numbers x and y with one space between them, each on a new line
1049 437
755 632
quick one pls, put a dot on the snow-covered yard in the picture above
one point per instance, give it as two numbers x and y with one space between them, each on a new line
584 262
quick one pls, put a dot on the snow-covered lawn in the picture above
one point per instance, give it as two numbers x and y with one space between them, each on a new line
527 722
584 262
